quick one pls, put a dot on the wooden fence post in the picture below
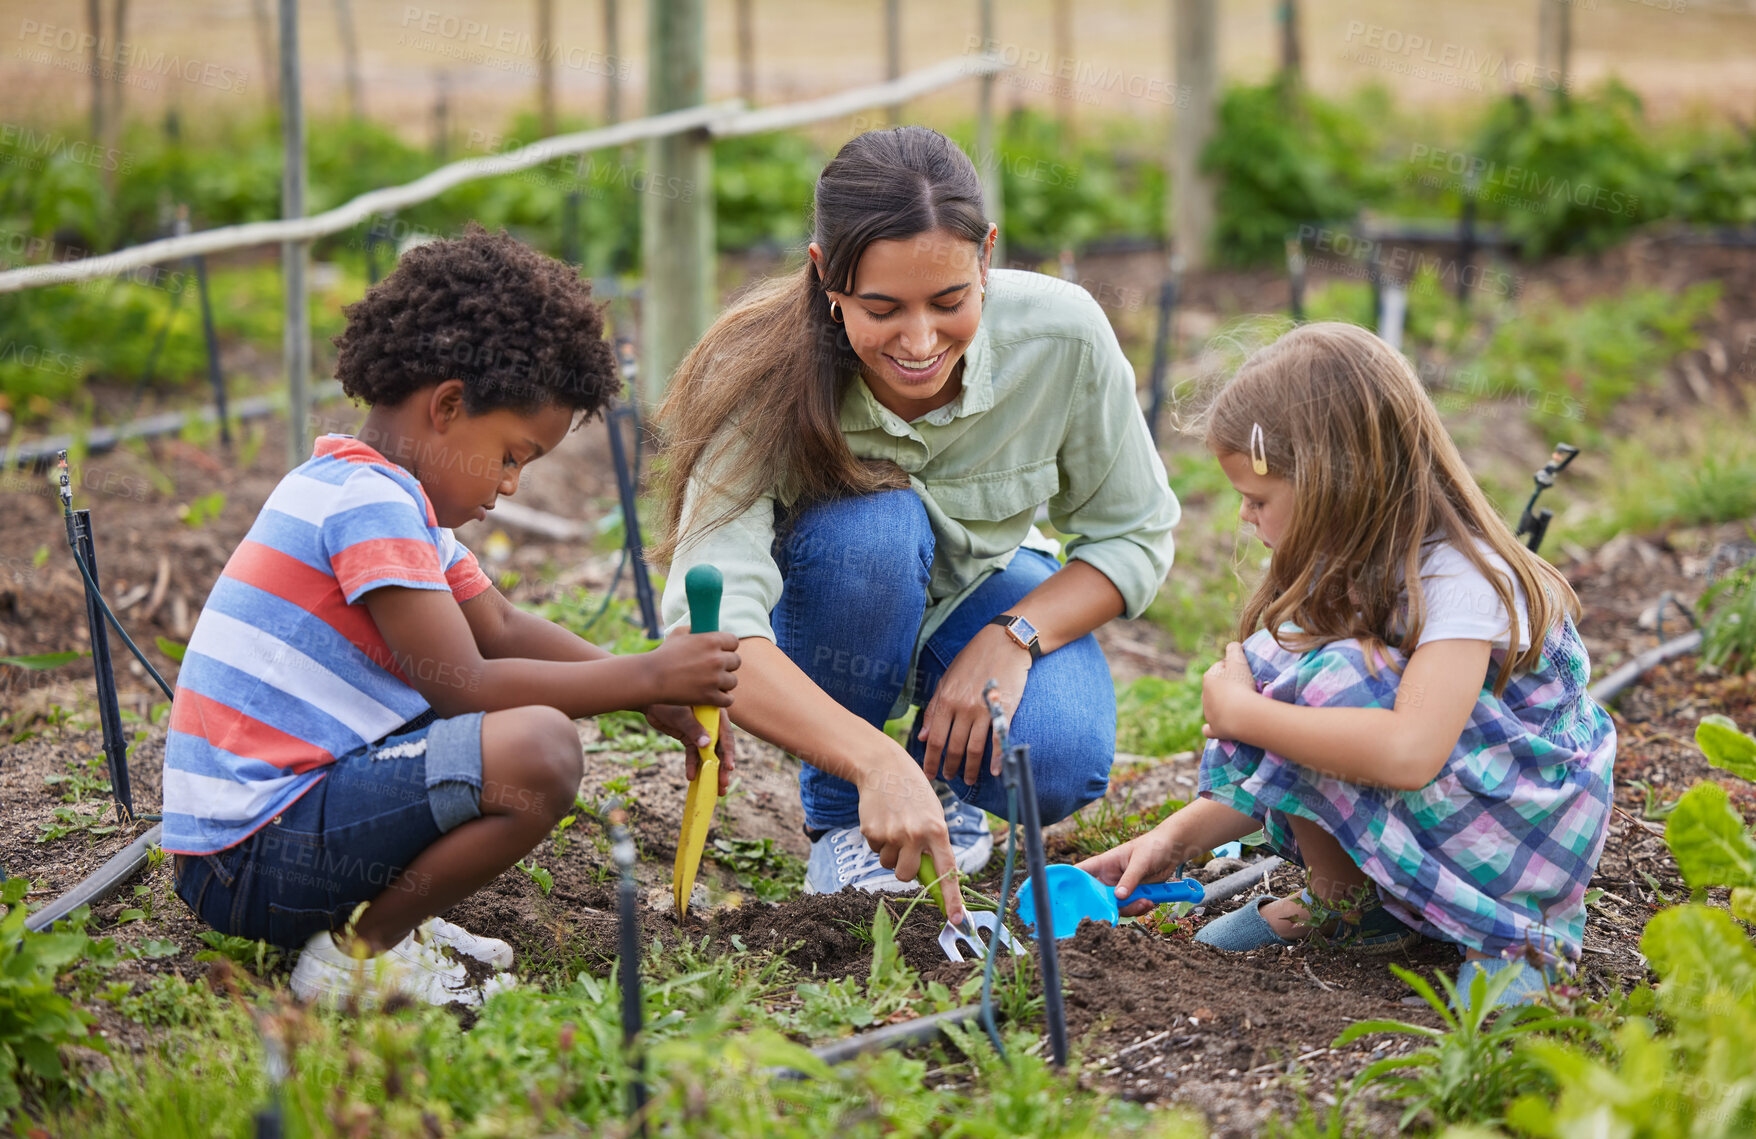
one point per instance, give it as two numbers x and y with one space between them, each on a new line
1196 44
987 145
676 216
893 52
294 255
613 50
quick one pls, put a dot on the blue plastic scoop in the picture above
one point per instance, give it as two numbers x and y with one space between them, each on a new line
1075 895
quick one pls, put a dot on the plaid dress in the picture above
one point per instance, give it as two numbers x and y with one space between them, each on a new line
1495 853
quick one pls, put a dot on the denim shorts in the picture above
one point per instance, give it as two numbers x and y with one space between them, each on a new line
346 840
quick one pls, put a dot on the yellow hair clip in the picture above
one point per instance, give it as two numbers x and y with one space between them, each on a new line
1258 450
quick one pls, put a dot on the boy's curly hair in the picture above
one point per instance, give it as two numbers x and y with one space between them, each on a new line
518 328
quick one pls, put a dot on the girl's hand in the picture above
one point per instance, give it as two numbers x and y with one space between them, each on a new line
957 724
1148 858
679 722
1227 688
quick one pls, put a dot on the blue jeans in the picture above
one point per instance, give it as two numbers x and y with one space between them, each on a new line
855 574
346 840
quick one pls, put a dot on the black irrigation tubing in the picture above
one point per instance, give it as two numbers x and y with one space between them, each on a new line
1611 686
100 884
42 452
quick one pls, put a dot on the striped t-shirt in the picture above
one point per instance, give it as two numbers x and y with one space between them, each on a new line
285 673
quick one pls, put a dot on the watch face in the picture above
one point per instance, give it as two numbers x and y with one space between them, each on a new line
1022 631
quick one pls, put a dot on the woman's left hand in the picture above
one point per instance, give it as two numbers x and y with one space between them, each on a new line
1227 688
956 724
679 722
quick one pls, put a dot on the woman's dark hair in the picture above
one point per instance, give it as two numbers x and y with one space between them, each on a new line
518 328
755 406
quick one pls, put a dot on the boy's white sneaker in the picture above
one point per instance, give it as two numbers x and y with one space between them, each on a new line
488 950
327 974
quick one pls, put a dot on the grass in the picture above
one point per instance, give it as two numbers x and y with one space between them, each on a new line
548 1059
1699 471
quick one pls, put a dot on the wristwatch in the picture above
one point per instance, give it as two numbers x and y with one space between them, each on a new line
1022 632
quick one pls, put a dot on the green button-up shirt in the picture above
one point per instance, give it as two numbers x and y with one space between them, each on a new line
1047 414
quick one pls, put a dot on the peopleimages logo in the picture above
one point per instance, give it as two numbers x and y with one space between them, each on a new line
1392 49
132 57
1515 185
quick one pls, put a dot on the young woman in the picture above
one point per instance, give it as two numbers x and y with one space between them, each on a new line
862 449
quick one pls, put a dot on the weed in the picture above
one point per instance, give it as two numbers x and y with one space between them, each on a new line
620 788
1729 640
560 836
629 734
1159 717
69 820
545 881
1471 1070
1103 825
145 909
83 777
761 867
35 1020
200 511
259 957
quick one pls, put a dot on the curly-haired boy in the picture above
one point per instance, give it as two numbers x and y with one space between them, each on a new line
361 716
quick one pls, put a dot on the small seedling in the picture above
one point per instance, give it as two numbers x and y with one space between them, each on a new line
83 777
562 839
68 821
545 881
760 867
203 510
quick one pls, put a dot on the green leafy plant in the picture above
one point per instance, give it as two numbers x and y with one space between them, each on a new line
1582 360
1471 1069
1284 158
1728 639
70 820
545 881
83 777
1571 171
1159 717
258 957
760 867
35 1019
198 512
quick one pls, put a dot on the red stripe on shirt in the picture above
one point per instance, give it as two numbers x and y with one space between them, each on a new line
375 559
231 730
284 576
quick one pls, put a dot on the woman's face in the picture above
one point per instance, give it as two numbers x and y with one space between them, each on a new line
915 306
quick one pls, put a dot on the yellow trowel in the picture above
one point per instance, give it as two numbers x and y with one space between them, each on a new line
702 586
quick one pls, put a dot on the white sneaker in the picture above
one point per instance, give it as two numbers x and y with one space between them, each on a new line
972 843
487 950
328 974
841 858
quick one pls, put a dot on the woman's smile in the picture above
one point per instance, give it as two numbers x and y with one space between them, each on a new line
915 370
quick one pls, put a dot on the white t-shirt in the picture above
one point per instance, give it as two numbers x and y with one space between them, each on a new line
1460 603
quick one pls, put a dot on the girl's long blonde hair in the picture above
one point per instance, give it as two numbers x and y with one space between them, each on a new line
1374 473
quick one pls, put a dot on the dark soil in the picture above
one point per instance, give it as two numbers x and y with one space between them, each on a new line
1155 1016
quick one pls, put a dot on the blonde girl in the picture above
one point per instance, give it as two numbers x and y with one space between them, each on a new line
1430 755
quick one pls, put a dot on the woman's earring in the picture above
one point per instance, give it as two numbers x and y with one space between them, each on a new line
835 310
